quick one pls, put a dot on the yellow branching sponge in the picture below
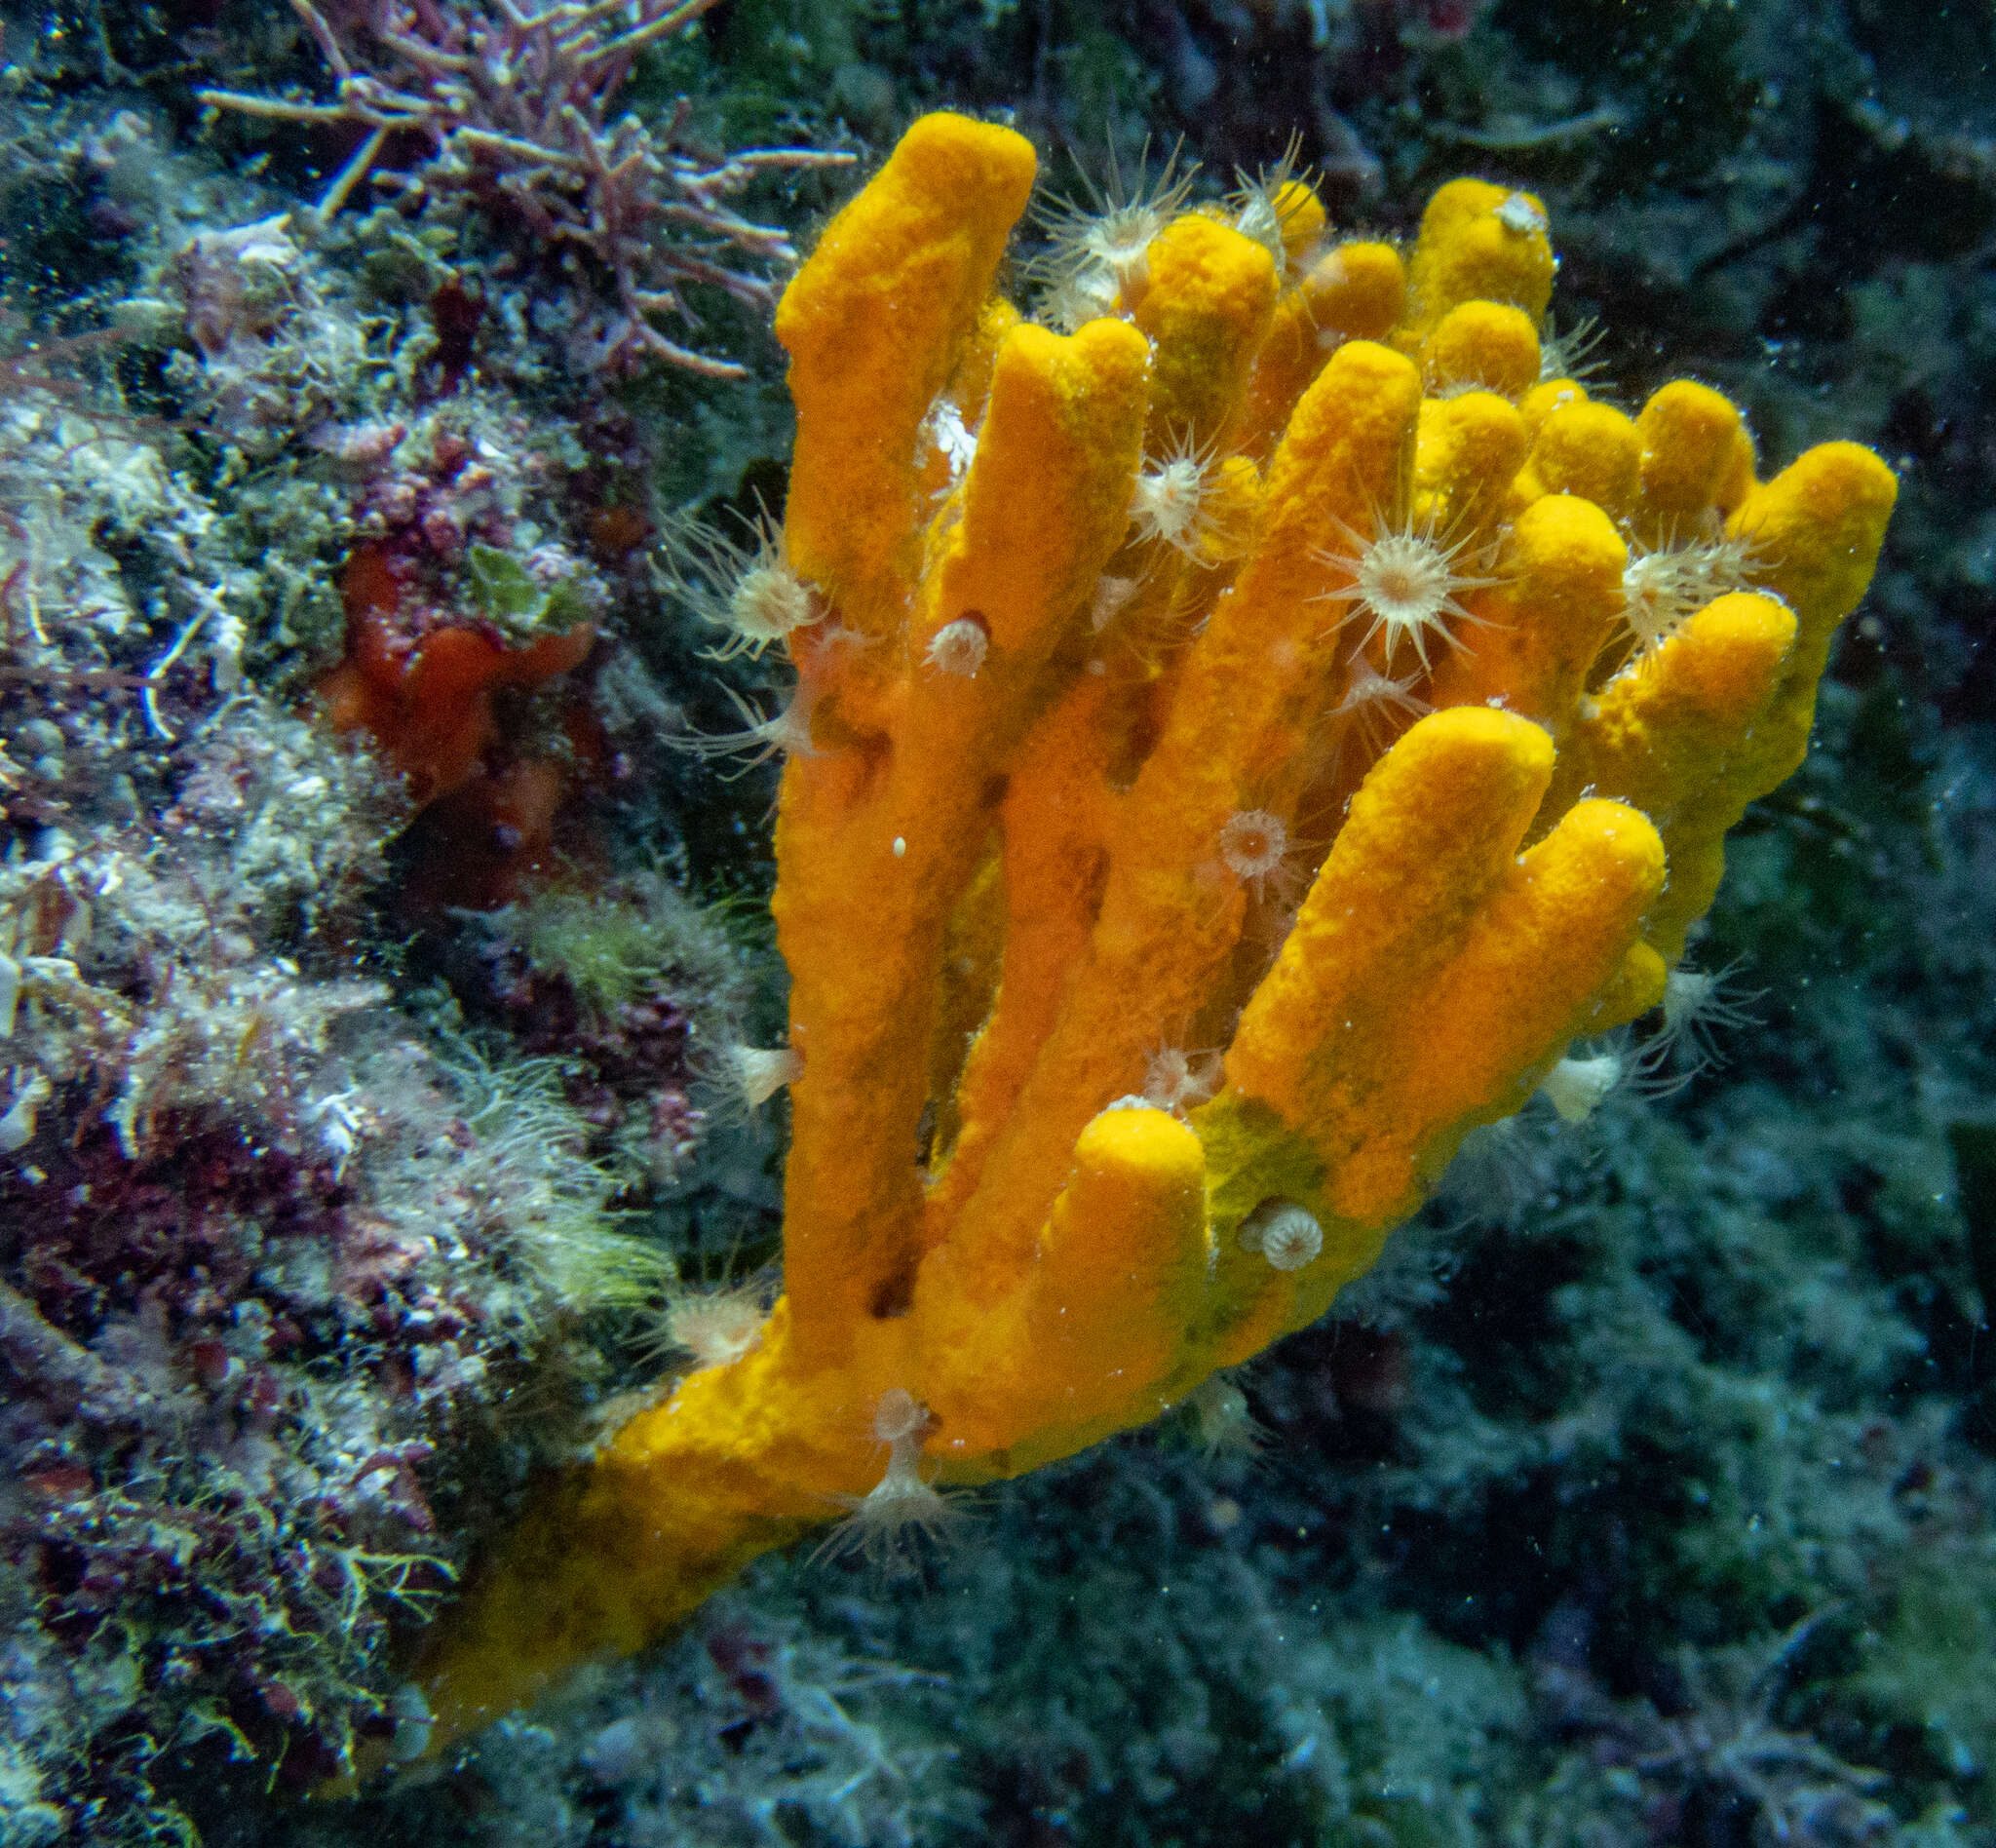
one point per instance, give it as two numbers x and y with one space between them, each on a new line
1238 746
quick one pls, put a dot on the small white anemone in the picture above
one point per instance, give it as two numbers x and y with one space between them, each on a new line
1375 702
1253 846
1091 294
1287 1235
1406 579
1170 500
1259 209
1177 1080
959 646
890 1520
1697 1005
763 736
1569 355
1222 1420
1662 590
824 647
717 1326
1576 1087
1107 235
761 1072
745 587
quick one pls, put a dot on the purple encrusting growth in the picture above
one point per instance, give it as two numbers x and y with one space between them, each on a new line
280 1241
270 1256
457 480
268 1259
180 1446
628 1067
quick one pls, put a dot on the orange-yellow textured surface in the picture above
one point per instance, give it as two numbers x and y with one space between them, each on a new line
1252 738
